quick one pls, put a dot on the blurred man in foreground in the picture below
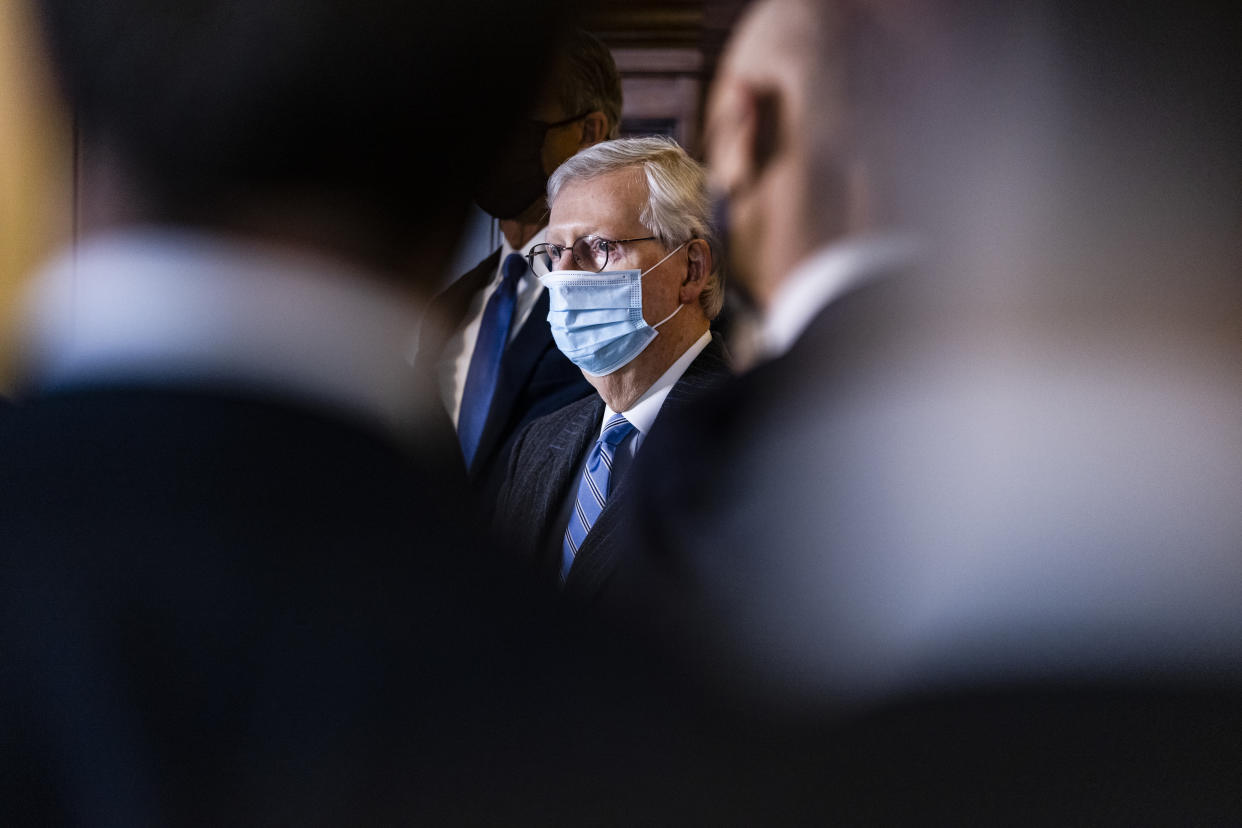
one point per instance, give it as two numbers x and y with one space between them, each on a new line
978 514
634 282
238 584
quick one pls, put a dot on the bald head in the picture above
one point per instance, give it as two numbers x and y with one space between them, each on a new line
794 46
785 129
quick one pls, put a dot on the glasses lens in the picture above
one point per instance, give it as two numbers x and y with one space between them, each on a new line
540 263
591 253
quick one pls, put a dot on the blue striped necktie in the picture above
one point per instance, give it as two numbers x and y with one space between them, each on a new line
593 488
476 396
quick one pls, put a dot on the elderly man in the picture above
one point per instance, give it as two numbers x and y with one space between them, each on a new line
486 343
634 281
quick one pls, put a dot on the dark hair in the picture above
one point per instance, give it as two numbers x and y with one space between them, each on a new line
215 106
587 80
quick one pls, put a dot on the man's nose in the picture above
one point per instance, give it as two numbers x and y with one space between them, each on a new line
566 262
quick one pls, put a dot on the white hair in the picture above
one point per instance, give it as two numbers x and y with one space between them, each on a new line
678 208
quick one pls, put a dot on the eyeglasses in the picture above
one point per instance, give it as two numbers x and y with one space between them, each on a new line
528 136
589 253
546 125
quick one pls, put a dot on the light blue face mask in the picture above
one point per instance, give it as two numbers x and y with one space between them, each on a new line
597 318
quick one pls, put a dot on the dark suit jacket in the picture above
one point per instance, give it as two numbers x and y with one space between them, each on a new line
544 469
218 606
535 377
802 510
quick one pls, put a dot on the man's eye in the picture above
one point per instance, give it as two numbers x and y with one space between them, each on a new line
602 247
554 252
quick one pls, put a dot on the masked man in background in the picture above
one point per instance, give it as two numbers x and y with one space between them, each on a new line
488 345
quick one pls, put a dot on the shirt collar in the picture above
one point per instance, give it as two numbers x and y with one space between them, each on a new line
824 276
642 414
174 305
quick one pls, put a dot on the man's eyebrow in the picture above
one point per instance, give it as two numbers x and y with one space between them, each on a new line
548 238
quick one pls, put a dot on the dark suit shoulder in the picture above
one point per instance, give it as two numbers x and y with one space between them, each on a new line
192 577
709 370
549 426
221 457
545 443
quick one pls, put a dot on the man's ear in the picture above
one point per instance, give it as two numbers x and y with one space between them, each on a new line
745 137
698 268
766 137
594 129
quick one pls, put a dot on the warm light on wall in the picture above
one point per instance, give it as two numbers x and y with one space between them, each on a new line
36 168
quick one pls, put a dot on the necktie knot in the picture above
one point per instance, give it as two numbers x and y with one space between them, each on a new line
616 430
514 268
614 433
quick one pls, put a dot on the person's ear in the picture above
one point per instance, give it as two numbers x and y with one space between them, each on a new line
743 136
698 269
594 129
766 137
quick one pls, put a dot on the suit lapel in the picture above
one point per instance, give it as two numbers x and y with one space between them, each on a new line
516 366
555 480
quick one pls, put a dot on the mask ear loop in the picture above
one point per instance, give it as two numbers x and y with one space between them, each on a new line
665 259
653 267
670 316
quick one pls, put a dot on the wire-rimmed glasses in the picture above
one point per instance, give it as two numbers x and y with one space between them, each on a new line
588 253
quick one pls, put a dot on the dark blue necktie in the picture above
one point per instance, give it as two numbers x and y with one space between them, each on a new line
593 489
476 397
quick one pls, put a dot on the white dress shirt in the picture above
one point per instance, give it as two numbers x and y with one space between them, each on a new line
822 277
176 306
454 363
